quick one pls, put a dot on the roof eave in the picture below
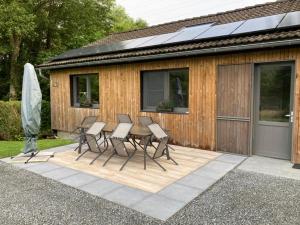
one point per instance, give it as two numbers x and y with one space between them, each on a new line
234 48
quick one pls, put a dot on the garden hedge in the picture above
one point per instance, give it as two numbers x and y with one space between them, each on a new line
10 120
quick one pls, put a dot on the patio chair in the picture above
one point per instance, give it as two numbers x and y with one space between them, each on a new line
146 121
124 118
92 136
163 147
118 139
85 124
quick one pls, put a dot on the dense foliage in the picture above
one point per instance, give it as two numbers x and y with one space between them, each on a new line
10 120
36 30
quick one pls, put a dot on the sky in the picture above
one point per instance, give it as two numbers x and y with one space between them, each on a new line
162 11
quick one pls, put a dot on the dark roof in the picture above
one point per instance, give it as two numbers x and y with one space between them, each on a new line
261 10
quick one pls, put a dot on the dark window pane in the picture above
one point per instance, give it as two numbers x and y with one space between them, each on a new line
179 85
85 90
153 89
82 97
275 84
165 90
94 89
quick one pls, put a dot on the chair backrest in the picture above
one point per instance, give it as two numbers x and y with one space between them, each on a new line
124 118
92 134
157 131
96 128
163 138
118 138
145 120
88 121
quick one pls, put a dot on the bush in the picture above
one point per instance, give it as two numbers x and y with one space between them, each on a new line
45 118
11 124
10 120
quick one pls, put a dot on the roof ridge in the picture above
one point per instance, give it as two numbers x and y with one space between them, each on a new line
203 16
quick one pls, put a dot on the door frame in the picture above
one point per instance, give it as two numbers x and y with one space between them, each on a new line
254 97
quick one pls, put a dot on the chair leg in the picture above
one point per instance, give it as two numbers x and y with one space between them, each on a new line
163 168
132 154
171 148
173 160
81 154
100 153
114 153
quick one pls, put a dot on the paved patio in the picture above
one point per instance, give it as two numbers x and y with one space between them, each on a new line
270 166
160 204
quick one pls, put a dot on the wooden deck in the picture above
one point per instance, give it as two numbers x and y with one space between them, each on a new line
153 179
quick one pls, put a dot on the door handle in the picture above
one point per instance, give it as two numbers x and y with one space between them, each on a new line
291 116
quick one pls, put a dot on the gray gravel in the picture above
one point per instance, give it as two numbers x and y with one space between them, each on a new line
239 198
27 198
245 198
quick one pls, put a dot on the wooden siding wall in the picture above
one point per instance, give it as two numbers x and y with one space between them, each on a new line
120 93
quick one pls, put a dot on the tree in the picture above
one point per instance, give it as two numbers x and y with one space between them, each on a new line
122 22
36 30
16 23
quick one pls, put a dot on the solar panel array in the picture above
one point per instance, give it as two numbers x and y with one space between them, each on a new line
203 31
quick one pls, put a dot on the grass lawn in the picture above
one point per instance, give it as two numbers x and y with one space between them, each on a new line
11 148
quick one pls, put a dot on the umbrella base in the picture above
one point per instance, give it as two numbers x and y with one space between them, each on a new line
32 157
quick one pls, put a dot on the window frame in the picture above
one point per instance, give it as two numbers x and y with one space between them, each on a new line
74 88
176 110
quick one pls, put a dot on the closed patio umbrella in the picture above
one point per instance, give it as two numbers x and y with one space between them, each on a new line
31 108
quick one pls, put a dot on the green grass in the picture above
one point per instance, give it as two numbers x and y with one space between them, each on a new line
11 148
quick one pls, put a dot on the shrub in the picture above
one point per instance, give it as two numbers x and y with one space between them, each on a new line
10 120
11 124
45 118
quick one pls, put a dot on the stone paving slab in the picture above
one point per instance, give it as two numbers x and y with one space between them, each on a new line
126 196
270 166
60 173
198 182
180 192
100 187
159 206
231 158
42 167
78 179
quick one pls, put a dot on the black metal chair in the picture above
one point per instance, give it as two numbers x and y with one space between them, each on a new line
92 136
163 148
85 124
118 139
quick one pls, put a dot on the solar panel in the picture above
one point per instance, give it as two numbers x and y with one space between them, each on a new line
259 24
158 39
220 30
291 19
189 33
136 42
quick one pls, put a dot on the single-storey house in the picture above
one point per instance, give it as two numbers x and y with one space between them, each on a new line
227 81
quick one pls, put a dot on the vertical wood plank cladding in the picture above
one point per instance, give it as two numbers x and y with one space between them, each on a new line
194 129
234 101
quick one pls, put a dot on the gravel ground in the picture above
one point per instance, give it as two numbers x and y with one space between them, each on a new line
239 198
44 201
245 198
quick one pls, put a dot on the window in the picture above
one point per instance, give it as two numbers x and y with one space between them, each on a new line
275 88
85 91
165 90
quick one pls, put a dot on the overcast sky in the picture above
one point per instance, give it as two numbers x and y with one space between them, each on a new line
162 11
